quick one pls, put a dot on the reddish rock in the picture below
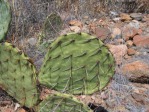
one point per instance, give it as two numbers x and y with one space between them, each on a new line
21 110
116 32
92 26
75 29
139 98
125 17
75 23
142 41
102 33
131 51
129 43
130 32
118 52
119 41
137 71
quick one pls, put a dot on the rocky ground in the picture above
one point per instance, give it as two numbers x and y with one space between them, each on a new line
127 37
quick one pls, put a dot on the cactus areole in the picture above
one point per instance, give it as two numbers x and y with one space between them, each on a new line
5 18
77 64
59 102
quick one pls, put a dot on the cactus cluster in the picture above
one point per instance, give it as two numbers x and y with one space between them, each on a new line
5 18
17 75
59 102
77 64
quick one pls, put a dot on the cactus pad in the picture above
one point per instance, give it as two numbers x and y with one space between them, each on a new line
58 102
17 75
5 18
52 25
77 64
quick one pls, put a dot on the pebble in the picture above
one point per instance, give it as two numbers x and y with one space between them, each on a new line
32 41
136 16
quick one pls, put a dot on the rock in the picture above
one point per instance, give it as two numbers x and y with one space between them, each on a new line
137 71
127 57
92 27
21 110
116 19
119 41
32 41
75 29
131 51
142 41
129 43
116 33
139 98
75 23
136 16
118 52
7 110
125 17
134 24
102 33
145 19
113 14
129 32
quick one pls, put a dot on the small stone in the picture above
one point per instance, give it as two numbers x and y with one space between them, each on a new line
119 41
136 16
93 97
75 29
129 32
21 110
131 51
116 19
142 41
32 41
127 57
137 71
125 17
135 24
129 43
102 33
118 52
139 98
75 23
116 33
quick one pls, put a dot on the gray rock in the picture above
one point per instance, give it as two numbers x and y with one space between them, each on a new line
32 41
136 16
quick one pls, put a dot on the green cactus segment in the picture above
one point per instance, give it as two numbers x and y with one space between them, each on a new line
62 103
17 75
77 64
5 17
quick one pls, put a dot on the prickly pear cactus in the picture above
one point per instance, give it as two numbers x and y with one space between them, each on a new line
5 18
59 102
52 24
17 75
77 64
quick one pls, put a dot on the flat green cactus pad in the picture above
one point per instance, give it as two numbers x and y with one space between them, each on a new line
62 103
5 18
77 64
17 75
